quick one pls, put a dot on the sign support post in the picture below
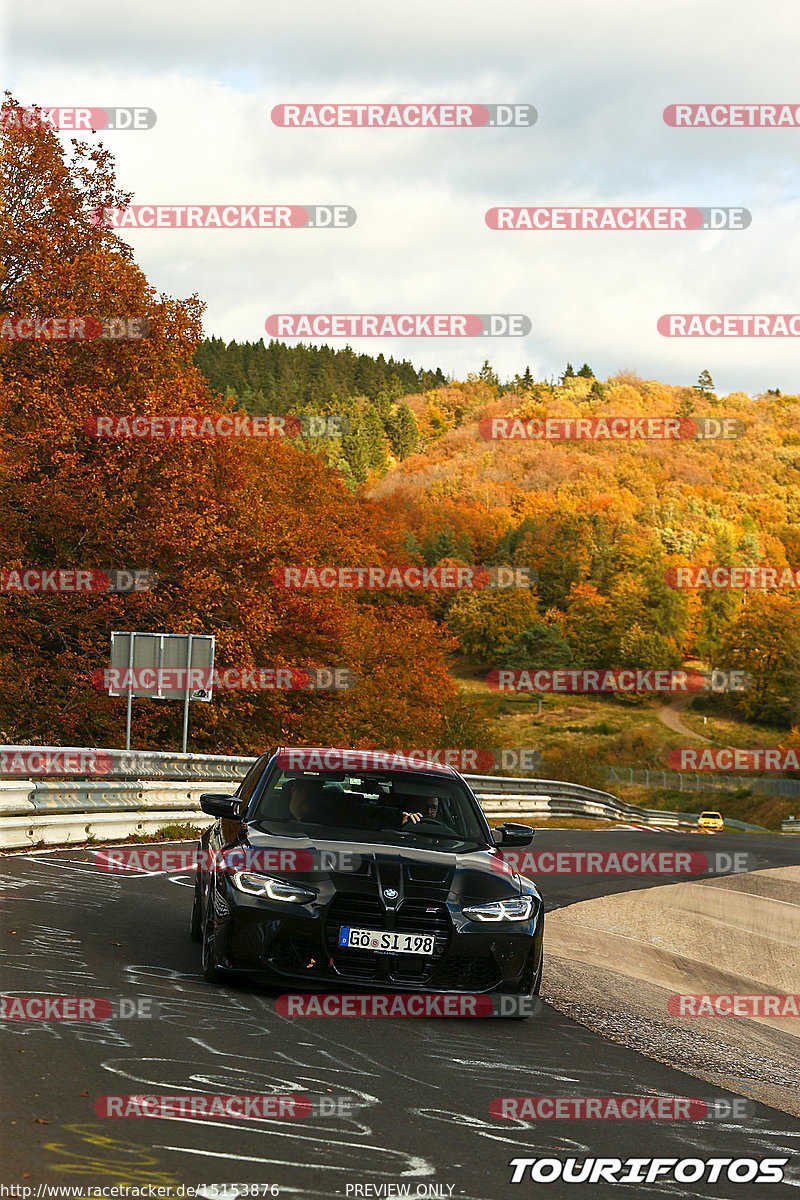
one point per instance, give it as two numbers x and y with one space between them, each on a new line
186 696
130 695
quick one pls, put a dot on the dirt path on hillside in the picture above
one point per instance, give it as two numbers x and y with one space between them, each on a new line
670 715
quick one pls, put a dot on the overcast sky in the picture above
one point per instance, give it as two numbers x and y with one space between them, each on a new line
599 72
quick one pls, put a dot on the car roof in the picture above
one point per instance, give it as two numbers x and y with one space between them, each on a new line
331 758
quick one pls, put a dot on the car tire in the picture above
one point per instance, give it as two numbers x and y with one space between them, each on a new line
535 987
537 983
196 919
208 950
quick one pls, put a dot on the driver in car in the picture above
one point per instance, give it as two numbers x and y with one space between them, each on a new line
430 809
310 802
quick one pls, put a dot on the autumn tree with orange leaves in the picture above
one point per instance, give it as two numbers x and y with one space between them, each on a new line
212 518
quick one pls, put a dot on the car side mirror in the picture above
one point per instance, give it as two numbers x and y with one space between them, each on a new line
224 807
510 834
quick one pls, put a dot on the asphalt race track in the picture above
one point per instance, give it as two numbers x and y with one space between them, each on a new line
70 929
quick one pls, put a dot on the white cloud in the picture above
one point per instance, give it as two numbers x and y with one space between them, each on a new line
599 75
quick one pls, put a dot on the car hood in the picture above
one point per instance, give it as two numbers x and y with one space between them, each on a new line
477 875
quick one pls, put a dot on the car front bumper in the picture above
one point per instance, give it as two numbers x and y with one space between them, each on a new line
297 945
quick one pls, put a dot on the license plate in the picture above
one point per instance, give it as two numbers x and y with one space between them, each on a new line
384 942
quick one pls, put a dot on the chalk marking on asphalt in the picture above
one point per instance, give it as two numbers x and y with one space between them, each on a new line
492 1132
345 1050
62 863
424 1167
346 1069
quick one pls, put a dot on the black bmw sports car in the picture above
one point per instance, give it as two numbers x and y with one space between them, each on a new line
352 869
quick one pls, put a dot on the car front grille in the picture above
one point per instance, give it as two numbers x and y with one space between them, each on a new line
293 958
361 909
420 916
365 911
466 975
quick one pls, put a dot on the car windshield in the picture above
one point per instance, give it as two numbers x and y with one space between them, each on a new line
716 815
390 807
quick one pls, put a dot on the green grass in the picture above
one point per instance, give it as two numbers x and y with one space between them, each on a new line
578 736
179 832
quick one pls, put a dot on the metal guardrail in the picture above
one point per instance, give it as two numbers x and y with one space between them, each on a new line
80 761
48 813
141 791
563 798
525 785
159 764
573 799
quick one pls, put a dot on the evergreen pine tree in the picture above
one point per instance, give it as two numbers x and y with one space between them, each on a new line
488 375
705 384
402 431
374 438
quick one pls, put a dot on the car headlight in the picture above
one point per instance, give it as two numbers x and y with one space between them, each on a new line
518 909
274 889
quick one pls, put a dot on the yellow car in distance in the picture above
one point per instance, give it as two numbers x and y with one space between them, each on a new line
711 821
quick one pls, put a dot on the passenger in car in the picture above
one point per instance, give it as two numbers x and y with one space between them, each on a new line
308 801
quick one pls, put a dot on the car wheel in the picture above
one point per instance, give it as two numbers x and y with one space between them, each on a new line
196 919
534 991
537 982
208 953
